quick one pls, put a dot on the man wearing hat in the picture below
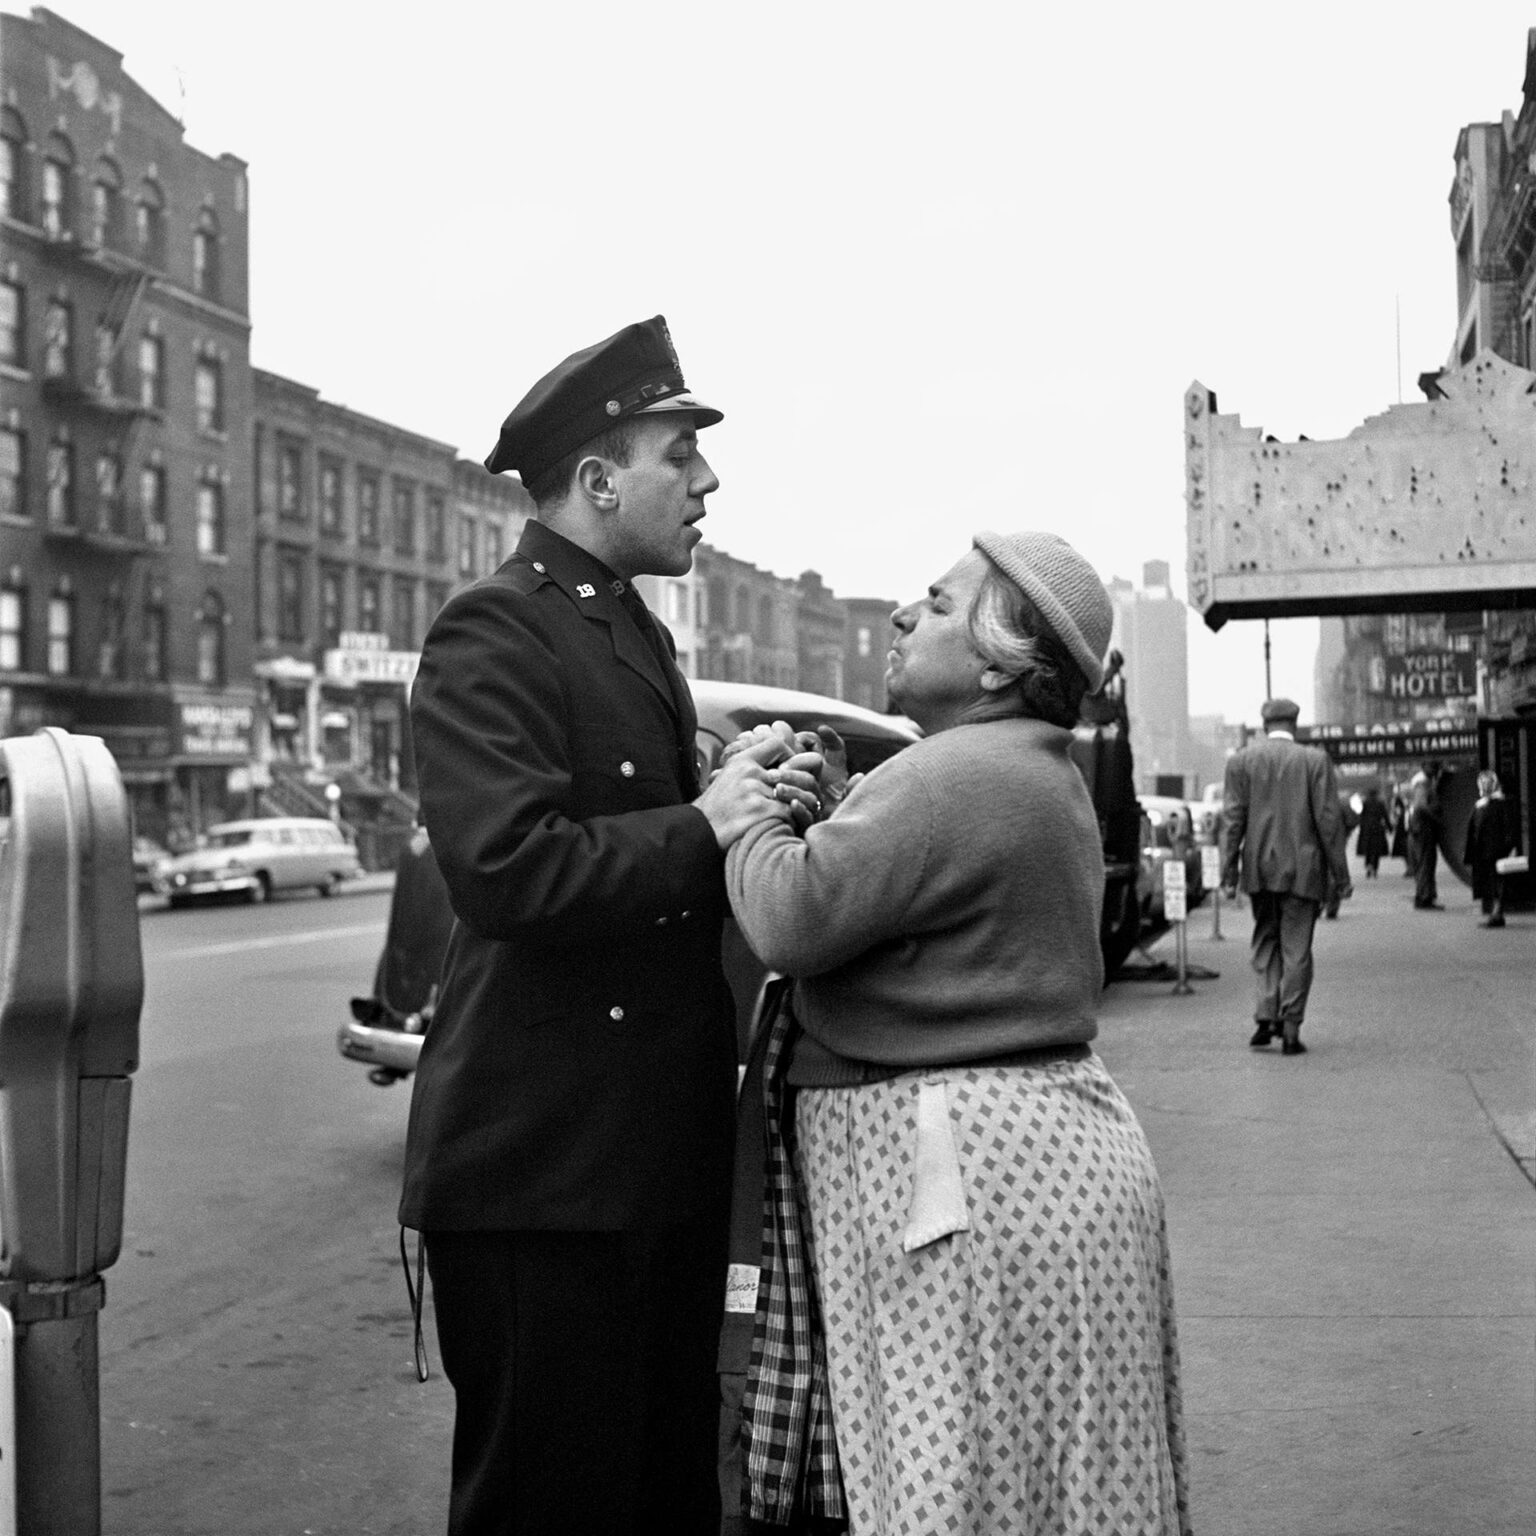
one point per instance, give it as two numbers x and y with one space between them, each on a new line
570 1139
1284 840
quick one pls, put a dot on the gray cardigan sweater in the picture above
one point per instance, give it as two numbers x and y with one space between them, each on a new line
948 911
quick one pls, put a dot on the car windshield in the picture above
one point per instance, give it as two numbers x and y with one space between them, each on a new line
228 839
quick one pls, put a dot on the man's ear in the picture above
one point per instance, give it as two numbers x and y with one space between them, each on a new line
994 679
594 479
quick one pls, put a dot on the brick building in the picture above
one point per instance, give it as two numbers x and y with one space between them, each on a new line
125 577
361 530
867 640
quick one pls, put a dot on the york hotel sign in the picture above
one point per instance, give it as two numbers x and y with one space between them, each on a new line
1425 675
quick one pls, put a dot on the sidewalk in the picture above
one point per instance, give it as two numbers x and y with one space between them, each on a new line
1353 1230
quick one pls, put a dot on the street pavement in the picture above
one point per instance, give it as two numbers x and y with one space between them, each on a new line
1354 1229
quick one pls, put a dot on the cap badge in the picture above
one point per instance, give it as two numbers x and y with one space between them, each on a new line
586 589
613 407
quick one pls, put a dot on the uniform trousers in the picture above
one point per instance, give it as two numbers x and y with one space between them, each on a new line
583 1369
1282 956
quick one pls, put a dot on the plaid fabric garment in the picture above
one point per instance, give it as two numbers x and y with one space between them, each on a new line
786 1412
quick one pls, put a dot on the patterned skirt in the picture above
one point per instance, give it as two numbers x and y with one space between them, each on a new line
1019 1375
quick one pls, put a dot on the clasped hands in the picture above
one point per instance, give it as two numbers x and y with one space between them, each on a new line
774 771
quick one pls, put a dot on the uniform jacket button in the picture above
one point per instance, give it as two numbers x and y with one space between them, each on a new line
661 922
616 1014
627 768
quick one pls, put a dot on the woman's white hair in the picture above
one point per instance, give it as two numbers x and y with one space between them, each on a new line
1010 634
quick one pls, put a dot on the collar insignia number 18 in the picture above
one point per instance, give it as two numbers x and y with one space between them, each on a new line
586 590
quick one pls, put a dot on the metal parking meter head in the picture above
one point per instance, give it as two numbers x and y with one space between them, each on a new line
71 987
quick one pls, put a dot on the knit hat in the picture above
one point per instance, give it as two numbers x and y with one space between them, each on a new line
1064 587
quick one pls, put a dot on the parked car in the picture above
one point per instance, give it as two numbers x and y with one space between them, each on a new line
385 1029
147 857
258 858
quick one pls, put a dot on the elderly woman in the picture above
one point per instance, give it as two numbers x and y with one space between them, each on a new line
989 1249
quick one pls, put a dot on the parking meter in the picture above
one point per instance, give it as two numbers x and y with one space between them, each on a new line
71 986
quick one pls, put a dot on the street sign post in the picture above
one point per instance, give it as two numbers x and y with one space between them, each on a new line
1210 873
1176 910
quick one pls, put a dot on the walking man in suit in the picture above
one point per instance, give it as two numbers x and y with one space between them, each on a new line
1283 844
568 1156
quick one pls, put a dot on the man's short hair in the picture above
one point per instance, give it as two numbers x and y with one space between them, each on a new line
617 443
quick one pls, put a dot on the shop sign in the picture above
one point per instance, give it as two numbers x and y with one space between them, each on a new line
1424 675
1396 740
362 640
371 666
214 730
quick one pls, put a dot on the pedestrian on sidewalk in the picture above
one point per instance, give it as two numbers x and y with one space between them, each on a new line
1372 842
1283 846
986 1222
1491 834
1424 823
1348 821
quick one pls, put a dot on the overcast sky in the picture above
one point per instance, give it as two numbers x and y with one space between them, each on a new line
944 267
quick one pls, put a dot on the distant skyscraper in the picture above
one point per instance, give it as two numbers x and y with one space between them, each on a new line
1150 632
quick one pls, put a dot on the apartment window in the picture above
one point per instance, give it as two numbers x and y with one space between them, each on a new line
56 212
58 340
208 392
437 595
10 169
290 482
210 518
367 507
332 613
106 360
154 635
330 496
107 205
109 492
61 484
152 372
149 224
865 640
152 503
368 604
402 613
12 324
492 543
466 544
13 628
437 526
405 518
13 473
210 641
205 255
61 634
112 649
290 595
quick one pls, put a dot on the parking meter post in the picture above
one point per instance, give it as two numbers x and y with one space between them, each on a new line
1182 947
71 986
1216 913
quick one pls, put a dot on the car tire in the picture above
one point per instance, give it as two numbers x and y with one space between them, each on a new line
260 889
330 885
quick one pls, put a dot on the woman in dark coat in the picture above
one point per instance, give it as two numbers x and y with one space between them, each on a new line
1490 835
1372 842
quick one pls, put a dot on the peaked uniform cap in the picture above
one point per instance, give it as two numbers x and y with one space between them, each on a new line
633 372
1063 587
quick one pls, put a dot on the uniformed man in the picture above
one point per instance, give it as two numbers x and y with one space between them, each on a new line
568 1155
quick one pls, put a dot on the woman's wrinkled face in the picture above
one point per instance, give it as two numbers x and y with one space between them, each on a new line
933 672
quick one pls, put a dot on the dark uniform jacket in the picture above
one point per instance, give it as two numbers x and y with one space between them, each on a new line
1283 827
580 1068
